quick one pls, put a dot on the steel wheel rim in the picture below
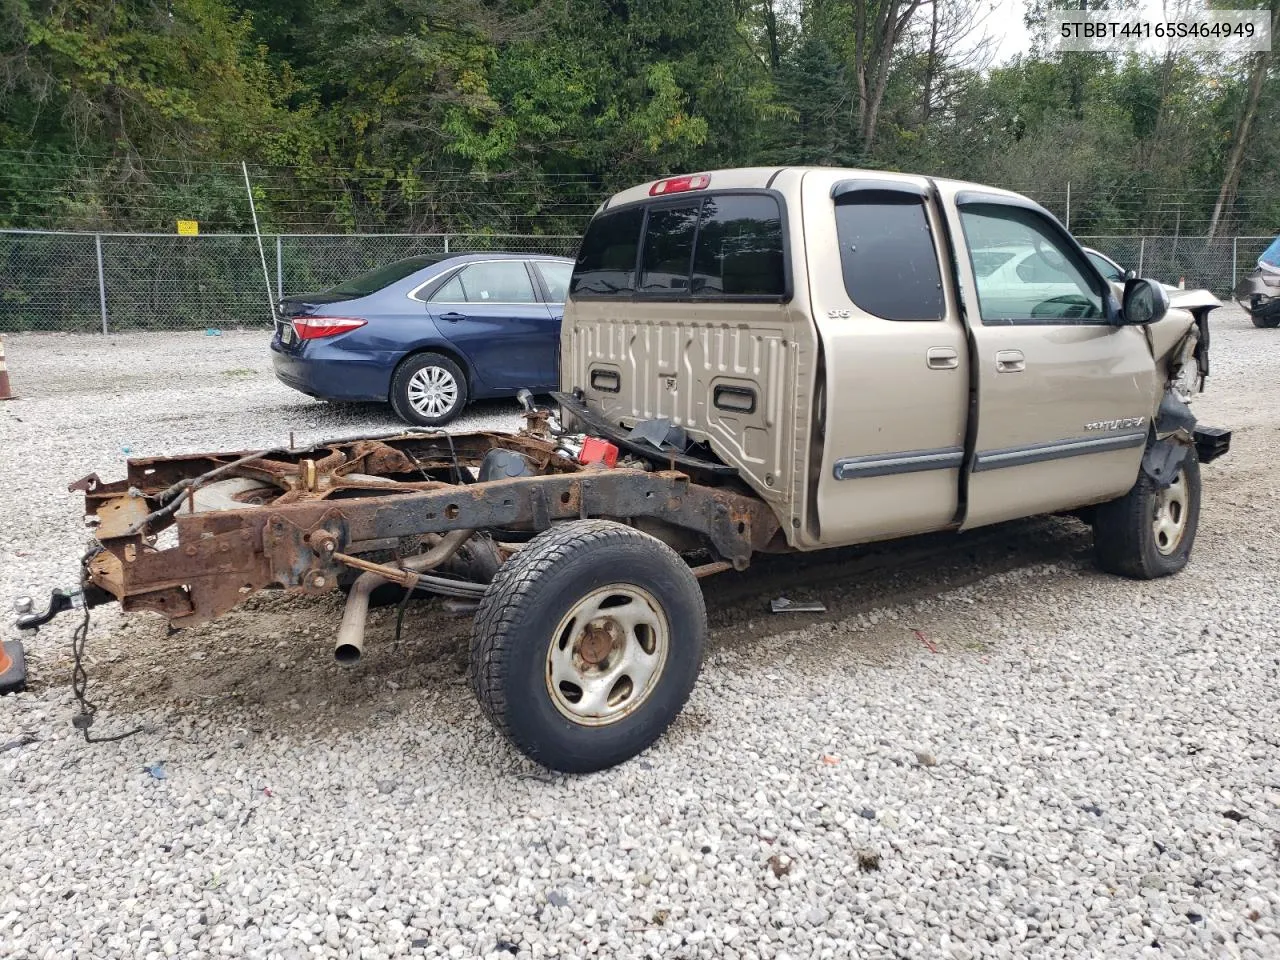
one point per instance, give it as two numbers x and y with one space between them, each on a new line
433 391
607 654
1170 521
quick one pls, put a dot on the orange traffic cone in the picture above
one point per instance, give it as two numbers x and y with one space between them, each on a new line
13 667
6 393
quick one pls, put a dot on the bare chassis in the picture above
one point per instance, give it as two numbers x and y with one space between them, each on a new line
340 502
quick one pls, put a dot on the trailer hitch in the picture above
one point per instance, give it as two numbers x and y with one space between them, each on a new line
59 601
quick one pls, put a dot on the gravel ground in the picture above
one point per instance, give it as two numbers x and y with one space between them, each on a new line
984 749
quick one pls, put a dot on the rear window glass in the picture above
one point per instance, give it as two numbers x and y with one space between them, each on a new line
606 264
887 255
739 248
668 249
718 246
375 280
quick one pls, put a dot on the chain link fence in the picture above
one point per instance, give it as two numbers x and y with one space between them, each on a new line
1215 265
112 281
78 282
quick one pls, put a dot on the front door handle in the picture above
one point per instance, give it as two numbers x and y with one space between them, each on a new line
1010 361
452 317
942 358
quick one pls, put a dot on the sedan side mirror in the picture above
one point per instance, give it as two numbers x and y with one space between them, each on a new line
1145 301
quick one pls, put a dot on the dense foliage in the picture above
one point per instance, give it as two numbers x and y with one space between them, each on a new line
521 115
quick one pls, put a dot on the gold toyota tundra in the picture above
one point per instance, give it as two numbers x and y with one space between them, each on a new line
764 360
878 355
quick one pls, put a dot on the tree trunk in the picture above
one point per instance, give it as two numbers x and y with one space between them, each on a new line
1235 161
930 65
771 31
873 55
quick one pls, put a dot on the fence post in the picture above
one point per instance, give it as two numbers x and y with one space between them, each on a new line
1235 259
1142 254
446 243
279 269
102 281
1068 204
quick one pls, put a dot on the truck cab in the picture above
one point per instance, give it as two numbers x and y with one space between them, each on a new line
874 354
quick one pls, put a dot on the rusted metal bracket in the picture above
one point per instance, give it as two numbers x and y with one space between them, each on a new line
302 556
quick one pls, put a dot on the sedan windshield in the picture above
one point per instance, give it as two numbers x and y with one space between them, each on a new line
375 280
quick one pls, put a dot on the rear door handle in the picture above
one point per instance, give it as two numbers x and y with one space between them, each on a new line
452 317
942 358
1010 361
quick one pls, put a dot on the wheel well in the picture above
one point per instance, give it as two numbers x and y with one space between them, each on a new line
442 351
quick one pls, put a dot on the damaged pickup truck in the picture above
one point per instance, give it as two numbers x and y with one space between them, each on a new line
757 360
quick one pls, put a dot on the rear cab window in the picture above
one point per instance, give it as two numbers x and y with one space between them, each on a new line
719 246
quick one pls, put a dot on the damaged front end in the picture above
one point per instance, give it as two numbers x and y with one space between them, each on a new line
1181 351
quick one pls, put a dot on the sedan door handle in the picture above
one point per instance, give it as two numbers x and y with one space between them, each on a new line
942 358
1010 361
452 317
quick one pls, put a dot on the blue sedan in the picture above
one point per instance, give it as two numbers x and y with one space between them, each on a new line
428 334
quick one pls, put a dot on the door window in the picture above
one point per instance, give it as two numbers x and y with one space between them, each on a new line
887 255
1038 278
556 277
498 281
451 292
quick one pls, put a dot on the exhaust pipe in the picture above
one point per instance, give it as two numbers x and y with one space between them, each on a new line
349 647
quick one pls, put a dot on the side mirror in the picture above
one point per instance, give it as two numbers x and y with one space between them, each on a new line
1144 302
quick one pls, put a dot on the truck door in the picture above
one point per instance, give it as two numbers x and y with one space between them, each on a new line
1064 395
894 396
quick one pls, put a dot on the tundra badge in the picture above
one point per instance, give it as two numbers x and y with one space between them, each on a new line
1125 423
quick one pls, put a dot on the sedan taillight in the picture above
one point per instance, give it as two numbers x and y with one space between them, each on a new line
316 328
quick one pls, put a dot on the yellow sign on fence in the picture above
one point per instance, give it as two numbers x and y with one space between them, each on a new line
188 228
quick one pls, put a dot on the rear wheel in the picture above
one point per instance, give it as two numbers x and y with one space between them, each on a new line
1149 532
587 644
428 390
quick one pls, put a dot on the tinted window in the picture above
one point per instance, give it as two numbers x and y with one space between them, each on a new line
1047 282
668 249
375 280
556 277
1108 269
606 264
887 255
739 248
500 281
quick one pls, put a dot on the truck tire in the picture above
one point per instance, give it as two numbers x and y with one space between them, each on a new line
428 390
1149 532
587 644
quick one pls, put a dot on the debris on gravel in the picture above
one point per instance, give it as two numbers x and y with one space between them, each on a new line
1078 765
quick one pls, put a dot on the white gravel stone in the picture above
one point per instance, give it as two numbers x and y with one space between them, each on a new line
1051 782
